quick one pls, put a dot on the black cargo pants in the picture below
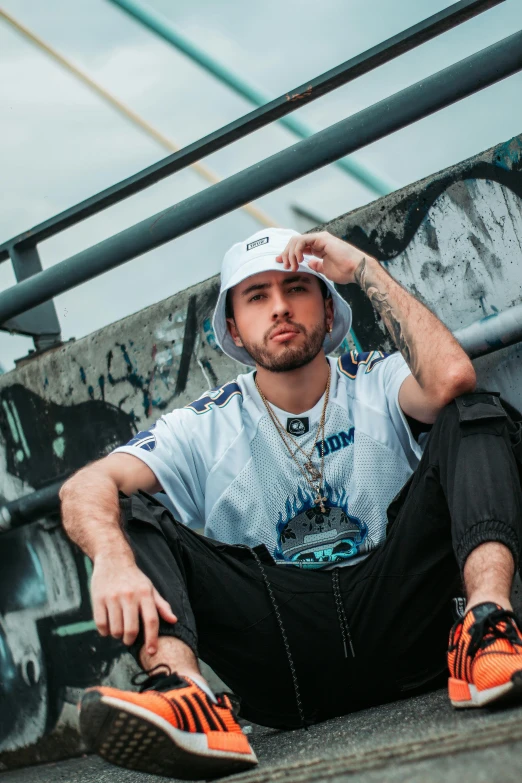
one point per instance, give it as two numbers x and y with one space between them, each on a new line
280 636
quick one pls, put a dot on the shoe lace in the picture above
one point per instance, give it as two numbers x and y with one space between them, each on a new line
499 624
231 702
148 677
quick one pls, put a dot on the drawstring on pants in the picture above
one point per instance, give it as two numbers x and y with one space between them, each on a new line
304 722
343 622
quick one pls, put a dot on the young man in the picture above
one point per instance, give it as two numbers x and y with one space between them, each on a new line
334 543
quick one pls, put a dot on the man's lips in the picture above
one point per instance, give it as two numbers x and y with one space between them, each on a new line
284 334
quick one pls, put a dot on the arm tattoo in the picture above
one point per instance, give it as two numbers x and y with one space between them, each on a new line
380 303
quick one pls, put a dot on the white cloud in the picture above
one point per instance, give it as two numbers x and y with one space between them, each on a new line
60 143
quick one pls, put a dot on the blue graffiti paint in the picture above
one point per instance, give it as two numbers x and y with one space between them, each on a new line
7 665
32 591
82 375
509 154
209 334
136 381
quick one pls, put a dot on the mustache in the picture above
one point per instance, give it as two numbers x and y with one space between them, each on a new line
286 322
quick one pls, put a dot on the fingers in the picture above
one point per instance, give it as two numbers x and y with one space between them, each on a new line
121 618
293 263
131 622
119 601
164 608
316 265
288 256
149 615
297 247
295 252
115 614
100 617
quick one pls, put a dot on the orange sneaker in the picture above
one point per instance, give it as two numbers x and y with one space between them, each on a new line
485 658
172 728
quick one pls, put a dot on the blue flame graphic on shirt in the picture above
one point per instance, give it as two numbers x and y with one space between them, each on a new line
310 538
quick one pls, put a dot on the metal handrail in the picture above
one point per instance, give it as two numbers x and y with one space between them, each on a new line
485 336
274 110
427 96
154 21
491 333
122 108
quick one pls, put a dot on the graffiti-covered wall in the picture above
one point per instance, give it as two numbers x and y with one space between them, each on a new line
454 240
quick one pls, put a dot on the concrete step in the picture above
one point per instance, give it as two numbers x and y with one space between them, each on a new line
418 739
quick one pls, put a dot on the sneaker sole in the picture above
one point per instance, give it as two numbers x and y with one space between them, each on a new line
133 737
464 695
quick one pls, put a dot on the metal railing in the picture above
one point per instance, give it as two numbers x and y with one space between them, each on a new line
414 36
37 287
27 306
496 331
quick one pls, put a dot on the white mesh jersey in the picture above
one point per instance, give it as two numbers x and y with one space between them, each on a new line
225 468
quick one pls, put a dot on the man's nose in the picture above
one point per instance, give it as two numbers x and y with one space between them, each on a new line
280 307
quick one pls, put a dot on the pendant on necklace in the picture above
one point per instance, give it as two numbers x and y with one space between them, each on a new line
319 501
312 470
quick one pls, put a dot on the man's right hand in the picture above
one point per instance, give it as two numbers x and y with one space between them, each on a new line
121 593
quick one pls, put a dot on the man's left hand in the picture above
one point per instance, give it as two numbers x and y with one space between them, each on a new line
339 259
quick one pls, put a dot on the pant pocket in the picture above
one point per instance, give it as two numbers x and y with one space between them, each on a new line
141 507
481 412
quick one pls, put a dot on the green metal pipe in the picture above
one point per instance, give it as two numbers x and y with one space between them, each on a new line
164 28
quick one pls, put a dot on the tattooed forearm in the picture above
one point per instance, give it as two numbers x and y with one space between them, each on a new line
436 360
380 302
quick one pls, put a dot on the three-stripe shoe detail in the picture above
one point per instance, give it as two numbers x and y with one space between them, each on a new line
174 728
485 657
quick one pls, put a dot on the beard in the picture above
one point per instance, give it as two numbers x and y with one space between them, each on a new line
291 358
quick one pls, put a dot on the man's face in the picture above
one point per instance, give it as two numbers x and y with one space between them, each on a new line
280 318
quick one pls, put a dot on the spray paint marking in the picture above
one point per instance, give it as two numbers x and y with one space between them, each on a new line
59 443
16 430
75 628
210 335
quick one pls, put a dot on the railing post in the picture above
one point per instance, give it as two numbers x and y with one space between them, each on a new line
41 322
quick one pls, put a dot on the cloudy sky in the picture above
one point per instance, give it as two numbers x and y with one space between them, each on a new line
59 143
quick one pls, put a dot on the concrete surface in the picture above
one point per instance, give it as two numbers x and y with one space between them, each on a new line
419 739
453 239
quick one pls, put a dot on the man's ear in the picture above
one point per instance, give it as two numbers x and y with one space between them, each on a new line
232 328
329 311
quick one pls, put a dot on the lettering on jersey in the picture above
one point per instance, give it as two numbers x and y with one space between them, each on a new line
219 397
349 363
144 440
335 442
310 538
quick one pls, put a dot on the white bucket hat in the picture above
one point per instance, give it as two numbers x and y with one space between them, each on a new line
258 254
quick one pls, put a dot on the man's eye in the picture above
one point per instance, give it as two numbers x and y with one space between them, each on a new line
298 288
255 298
